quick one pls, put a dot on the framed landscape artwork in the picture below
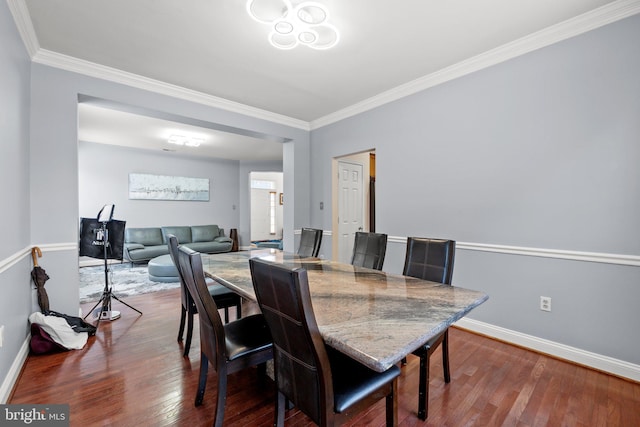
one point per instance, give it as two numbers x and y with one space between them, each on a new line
162 187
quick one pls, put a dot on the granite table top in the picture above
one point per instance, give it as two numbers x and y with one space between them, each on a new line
375 317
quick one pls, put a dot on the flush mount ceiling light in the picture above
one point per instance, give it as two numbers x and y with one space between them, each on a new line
293 23
184 140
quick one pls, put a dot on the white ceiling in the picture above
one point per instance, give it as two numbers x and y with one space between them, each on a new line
213 48
114 127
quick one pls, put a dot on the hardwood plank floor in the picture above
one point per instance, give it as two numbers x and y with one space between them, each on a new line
132 373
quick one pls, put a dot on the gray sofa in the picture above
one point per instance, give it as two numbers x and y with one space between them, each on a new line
144 244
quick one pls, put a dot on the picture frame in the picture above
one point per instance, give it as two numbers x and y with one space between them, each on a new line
164 187
281 198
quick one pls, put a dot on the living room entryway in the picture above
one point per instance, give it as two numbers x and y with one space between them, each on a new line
267 200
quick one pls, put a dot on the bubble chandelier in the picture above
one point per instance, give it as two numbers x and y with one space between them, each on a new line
295 23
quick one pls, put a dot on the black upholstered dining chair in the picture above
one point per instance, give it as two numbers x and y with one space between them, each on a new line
369 250
430 259
230 347
310 241
323 383
223 296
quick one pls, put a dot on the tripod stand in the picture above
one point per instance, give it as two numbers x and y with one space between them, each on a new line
107 294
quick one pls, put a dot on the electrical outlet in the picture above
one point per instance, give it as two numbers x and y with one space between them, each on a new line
545 303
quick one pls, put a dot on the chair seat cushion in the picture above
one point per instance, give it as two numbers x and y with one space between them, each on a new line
223 296
216 289
247 335
352 381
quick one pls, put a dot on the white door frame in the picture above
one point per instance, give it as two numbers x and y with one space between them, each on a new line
360 158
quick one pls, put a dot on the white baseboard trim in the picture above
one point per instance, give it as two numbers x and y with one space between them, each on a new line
582 357
592 360
14 371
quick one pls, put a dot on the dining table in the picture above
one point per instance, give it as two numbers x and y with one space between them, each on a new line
377 318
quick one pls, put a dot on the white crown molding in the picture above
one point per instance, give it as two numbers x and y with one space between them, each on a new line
605 258
576 355
23 22
38 55
588 21
91 69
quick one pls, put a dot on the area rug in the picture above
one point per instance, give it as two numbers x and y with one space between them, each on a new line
124 280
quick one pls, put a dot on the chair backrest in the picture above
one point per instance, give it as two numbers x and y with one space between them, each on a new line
301 364
212 338
430 259
187 301
369 250
310 241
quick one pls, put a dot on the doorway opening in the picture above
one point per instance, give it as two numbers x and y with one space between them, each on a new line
266 204
353 200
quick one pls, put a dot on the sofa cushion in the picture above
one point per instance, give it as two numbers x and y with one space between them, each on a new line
210 247
147 253
133 246
148 236
204 233
183 233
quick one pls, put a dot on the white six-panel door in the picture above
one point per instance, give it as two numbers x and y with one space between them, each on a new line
350 213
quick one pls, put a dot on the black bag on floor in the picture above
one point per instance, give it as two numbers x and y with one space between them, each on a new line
42 343
77 324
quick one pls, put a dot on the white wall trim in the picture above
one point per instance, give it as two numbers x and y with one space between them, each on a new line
12 260
24 24
54 247
620 259
69 63
596 18
606 258
582 357
324 232
591 20
576 355
14 371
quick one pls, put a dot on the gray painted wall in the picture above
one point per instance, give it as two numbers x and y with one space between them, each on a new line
54 157
18 298
41 161
104 178
540 151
